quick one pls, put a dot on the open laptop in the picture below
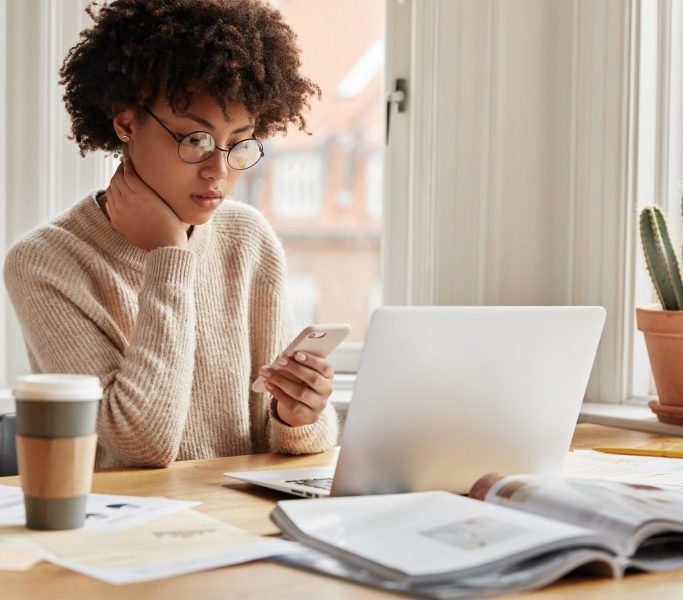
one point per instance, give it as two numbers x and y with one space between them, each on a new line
444 395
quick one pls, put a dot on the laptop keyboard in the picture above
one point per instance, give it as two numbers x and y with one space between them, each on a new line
324 483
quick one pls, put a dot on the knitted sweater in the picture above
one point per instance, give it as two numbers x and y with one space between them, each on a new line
176 336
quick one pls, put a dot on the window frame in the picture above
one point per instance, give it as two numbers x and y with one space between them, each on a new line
37 36
659 125
396 194
4 308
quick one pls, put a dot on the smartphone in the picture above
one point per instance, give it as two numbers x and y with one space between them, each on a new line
316 339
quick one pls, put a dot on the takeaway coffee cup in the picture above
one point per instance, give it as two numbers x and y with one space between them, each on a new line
56 443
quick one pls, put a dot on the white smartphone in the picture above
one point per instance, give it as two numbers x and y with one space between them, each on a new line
316 339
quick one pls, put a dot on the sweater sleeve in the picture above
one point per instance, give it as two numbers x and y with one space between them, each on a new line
147 385
272 325
305 439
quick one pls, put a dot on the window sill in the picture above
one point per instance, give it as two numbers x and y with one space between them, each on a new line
341 395
626 416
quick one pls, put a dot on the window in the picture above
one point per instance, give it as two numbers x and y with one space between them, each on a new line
297 185
505 176
310 187
4 310
659 167
321 189
303 296
373 184
374 296
347 170
45 172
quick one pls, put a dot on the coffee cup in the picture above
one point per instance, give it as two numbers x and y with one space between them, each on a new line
56 444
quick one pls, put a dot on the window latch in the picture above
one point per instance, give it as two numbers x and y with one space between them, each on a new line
397 97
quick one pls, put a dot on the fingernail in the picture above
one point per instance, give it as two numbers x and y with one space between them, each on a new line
300 356
281 360
265 371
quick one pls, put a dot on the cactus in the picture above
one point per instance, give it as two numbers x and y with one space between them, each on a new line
661 258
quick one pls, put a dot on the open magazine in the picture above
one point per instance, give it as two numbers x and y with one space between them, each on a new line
528 531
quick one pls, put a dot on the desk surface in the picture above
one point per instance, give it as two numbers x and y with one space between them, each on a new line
248 507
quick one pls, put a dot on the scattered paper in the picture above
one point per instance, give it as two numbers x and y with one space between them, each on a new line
169 546
13 559
587 464
127 539
104 512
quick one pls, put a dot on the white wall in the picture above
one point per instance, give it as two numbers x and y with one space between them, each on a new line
3 183
518 168
508 99
46 173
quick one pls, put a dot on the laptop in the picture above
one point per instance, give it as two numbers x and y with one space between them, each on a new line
444 395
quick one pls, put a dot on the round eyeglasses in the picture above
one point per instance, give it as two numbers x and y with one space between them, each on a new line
198 146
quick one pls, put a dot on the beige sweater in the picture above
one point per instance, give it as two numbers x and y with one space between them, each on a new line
176 336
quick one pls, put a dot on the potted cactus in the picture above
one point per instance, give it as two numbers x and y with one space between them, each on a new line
662 324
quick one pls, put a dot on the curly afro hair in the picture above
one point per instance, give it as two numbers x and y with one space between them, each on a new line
137 50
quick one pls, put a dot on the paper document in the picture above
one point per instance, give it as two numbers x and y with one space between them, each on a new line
104 512
587 464
169 546
13 559
127 539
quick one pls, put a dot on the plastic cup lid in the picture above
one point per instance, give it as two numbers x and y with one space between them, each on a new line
56 387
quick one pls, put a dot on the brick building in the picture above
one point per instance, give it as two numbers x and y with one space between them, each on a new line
323 192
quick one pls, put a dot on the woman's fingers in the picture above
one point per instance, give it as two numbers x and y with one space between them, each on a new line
115 196
291 411
117 182
301 385
310 369
117 178
142 215
317 363
129 176
296 390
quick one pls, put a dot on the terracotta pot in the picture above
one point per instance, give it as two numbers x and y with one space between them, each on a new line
663 330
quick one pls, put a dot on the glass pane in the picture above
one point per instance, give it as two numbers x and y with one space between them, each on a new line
652 186
323 192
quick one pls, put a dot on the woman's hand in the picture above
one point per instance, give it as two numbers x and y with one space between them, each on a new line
136 211
300 388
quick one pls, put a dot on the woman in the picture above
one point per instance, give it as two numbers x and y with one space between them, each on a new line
170 292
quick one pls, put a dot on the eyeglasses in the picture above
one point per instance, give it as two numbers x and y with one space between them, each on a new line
198 146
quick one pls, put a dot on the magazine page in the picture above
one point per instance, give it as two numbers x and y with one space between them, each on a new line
660 553
174 544
649 470
617 510
518 577
425 535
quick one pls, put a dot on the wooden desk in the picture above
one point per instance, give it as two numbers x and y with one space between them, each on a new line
248 507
